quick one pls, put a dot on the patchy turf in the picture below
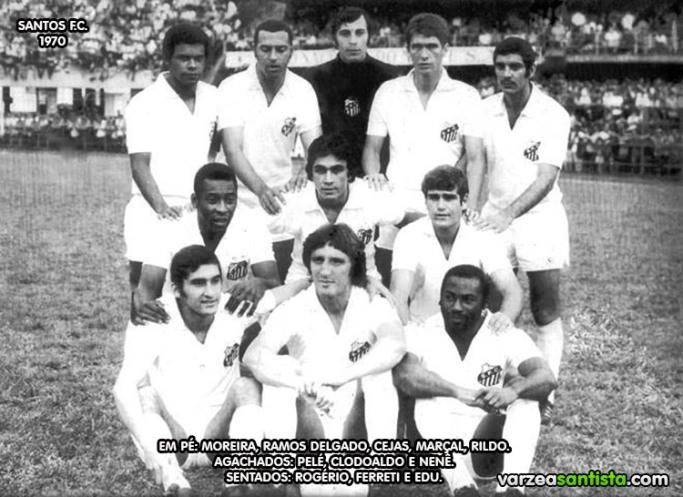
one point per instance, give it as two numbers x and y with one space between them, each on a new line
65 304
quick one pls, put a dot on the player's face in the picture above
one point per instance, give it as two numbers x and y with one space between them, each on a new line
331 272
201 290
331 179
352 40
511 73
461 303
443 207
215 203
427 53
187 64
273 51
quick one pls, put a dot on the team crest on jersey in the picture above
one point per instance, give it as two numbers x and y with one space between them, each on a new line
490 375
358 350
365 235
230 355
288 127
450 133
531 152
237 270
351 106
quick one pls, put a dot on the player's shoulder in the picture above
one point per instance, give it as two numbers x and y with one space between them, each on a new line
238 80
393 85
246 220
493 103
548 105
297 83
384 69
297 308
463 89
207 90
479 236
416 230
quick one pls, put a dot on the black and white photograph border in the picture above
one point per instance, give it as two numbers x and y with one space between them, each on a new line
64 276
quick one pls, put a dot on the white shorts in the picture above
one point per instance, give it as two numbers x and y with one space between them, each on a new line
140 222
537 240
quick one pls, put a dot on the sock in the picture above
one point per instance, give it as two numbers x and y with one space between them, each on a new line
551 340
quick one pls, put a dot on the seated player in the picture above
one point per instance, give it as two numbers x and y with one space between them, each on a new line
338 341
239 238
425 249
182 378
331 196
455 369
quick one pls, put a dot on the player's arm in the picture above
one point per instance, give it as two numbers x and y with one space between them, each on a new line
233 146
147 308
416 381
535 382
371 161
252 289
262 359
401 284
508 285
299 177
535 192
384 354
476 168
142 175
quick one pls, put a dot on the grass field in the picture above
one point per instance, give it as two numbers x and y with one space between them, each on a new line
65 305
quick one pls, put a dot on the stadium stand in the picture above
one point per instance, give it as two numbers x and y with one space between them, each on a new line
621 122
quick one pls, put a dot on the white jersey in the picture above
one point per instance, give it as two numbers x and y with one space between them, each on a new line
484 365
363 211
270 131
540 136
418 250
305 328
423 138
246 242
159 123
183 371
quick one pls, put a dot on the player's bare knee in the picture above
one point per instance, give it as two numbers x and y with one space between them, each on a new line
246 391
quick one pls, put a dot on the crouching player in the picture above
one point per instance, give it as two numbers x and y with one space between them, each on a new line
181 378
339 341
455 369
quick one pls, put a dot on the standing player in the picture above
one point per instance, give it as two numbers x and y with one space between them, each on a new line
455 369
332 196
262 111
346 85
526 135
430 118
338 341
425 250
182 378
238 236
169 127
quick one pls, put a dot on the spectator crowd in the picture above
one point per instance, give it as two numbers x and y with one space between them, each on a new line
616 125
124 35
